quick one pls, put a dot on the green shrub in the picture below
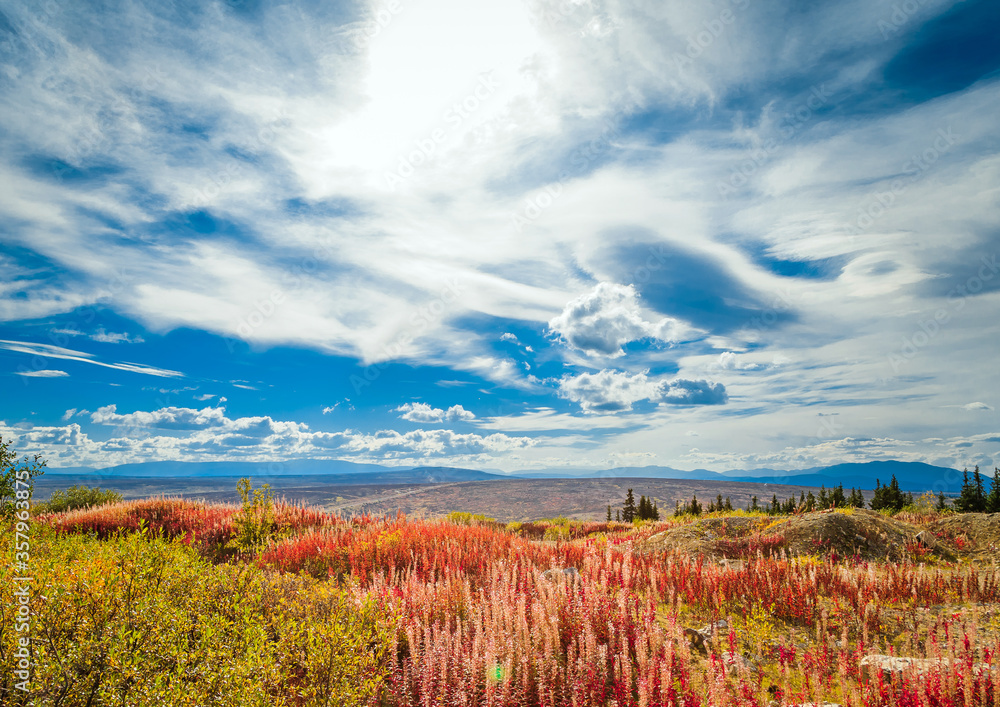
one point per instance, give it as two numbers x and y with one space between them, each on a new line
463 518
16 481
253 526
138 620
77 497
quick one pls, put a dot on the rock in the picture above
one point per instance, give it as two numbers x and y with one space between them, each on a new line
927 540
571 574
734 661
892 666
701 639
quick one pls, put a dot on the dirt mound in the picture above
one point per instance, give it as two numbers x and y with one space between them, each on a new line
859 532
971 534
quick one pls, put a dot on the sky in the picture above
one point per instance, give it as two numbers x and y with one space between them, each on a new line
516 235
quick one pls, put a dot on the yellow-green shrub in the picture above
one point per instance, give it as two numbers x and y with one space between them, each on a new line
138 620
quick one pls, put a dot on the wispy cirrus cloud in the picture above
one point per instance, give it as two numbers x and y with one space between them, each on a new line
58 352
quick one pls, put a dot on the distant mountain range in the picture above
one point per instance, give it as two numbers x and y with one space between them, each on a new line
912 476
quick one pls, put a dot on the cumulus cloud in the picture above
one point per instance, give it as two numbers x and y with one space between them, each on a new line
616 391
507 336
169 418
423 412
695 392
729 361
608 317
185 434
390 443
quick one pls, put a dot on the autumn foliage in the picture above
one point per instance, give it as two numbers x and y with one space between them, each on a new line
470 616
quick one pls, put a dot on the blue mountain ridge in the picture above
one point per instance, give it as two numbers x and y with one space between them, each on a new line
912 476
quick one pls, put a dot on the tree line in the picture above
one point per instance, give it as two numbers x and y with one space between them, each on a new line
973 498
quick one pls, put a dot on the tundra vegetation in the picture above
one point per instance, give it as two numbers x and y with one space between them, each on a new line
171 601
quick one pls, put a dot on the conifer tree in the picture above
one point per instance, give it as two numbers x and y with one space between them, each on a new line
993 500
628 510
609 512
729 504
942 504
656 512
695 506
980 496
810 502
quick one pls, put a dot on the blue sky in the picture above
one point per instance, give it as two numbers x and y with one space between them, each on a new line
508 236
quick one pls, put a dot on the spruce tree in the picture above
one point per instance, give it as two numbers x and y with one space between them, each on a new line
729 504
980 492
823 500
609 512
656 512
810 502
993 500
966 501
942 504
628 510
695 506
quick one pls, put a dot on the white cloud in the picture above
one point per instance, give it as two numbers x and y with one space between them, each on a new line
422 412
729 361
616 391
204 396
42 373
49 351
507 336
603 320
165 418
186 434
115 338
977 406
